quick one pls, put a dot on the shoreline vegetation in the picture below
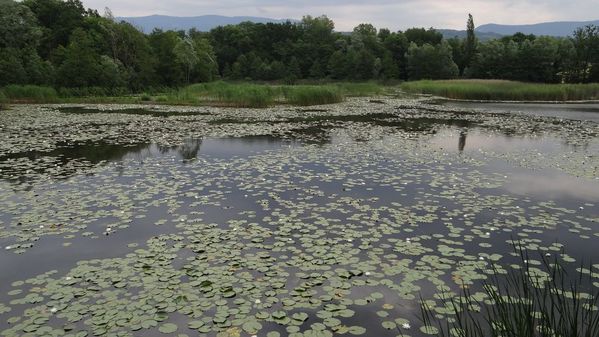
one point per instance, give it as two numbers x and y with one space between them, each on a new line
501 90
240 95
263 95
81 53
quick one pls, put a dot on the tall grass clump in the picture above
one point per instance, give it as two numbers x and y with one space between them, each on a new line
3 100
30 94
242 95
527 302
304 95
246 95
498 90
262 95
360 89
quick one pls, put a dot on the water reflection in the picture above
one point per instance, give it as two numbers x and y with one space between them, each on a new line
462 141
573 111
73 158
132 111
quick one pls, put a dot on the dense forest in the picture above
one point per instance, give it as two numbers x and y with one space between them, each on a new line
61 44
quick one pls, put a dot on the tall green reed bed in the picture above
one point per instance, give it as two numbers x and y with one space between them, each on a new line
544 301
220 93
28 94
504 90
3 100
264 95
313 94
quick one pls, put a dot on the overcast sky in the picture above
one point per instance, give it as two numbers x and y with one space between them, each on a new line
393 14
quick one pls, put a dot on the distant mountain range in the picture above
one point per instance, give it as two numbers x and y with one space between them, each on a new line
484 32
451 33
202 23
545 28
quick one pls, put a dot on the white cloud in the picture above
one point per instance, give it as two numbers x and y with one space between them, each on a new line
394 14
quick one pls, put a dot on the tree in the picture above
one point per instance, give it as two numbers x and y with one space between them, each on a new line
389 68
168 69
59 19
469 45
586 43
206 68
19 38
397 44
84 66
186 54
18 26
421 36
339 67
431 62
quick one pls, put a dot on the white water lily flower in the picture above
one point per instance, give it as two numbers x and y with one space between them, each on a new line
8 248
257 301
53 310
367 273
406 326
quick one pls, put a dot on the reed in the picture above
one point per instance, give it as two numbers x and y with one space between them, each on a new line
497 90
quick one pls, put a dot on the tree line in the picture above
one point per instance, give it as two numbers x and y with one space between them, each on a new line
59 43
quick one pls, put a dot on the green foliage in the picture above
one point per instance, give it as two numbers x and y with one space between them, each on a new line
504 90
3 100
469 44
59 43
431 62
527 302
58 20
421 36
18 24
29 93
360 89
168 70
586 43
83 66
313 95
262 95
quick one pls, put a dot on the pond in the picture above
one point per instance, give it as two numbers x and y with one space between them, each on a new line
575 111
148 221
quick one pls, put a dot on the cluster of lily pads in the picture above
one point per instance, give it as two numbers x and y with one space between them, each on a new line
341 237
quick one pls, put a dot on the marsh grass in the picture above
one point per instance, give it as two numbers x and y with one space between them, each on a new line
361 89
3 100
525 303
29 94
498 90
241 95
264 95
313 95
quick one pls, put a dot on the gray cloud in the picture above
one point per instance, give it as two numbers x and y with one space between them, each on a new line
393 14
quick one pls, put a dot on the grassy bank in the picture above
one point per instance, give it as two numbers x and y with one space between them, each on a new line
214 93
504 90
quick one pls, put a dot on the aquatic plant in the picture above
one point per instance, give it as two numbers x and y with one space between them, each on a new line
504 90
527 302
29 94
313 95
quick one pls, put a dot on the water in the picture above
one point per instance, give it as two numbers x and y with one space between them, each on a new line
578 111
341 216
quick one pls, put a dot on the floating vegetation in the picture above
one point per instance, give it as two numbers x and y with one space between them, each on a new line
282 221
535 298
